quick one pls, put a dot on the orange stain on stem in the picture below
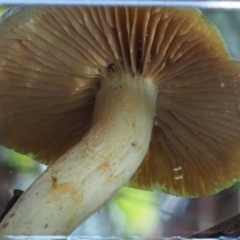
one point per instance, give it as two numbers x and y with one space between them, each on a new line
12 215
64 190
54 181
104 166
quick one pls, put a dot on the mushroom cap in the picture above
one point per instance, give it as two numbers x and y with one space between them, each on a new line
52 61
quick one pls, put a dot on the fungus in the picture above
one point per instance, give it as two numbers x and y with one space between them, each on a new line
144 97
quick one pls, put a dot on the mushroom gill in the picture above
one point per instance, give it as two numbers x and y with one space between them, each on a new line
194 149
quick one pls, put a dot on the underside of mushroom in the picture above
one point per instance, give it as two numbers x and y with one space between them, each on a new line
145 97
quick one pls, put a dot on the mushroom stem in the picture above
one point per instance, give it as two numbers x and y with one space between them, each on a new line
92 171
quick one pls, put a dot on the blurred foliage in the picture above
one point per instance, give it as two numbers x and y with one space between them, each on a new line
16 160
2 9
228 22
139 208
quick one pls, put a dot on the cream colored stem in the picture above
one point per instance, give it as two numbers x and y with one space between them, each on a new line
91 172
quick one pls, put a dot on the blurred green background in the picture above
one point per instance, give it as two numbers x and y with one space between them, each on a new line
138 213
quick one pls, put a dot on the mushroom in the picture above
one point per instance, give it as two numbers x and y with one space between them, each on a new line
144 97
